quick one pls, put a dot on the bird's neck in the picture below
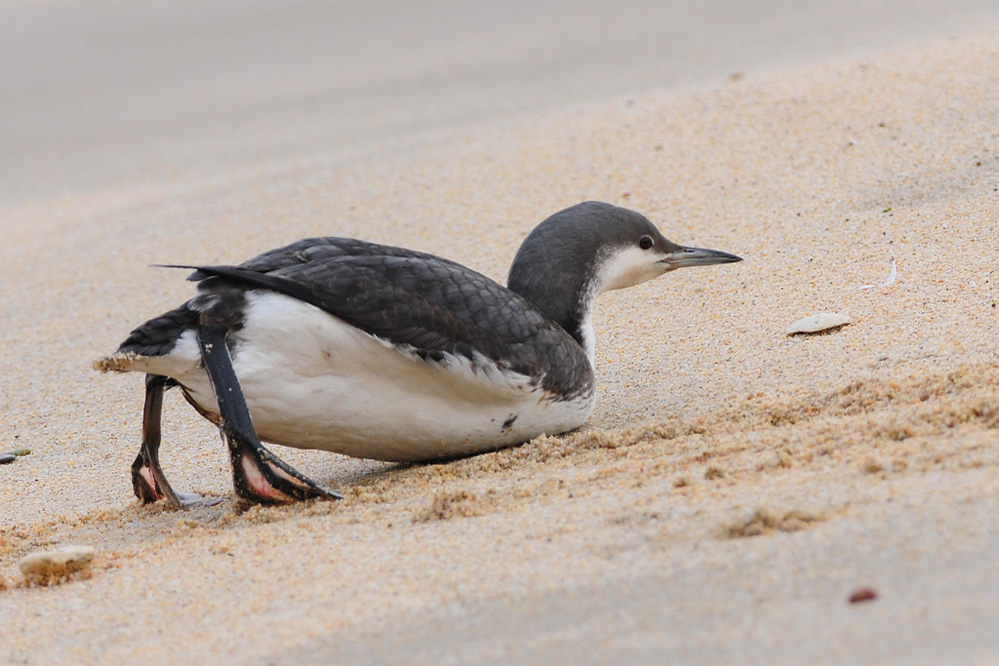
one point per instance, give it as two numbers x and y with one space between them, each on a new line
565 299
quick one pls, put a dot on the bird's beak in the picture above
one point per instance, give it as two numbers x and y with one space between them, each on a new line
696 256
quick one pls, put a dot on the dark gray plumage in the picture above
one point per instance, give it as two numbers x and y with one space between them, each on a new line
431 306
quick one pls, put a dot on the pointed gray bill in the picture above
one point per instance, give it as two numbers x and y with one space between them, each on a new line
697 256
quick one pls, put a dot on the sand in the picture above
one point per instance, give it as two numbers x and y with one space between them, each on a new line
733 488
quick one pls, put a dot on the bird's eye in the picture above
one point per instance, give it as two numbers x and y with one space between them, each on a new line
645 243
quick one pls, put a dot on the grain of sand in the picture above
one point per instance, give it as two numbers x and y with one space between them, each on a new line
734 485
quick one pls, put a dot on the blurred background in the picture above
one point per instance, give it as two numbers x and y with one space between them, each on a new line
110 92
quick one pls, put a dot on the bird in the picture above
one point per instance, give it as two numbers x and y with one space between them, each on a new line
388 353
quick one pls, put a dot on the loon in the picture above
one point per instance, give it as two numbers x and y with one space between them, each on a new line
387 353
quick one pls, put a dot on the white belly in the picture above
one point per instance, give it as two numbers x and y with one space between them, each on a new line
313 381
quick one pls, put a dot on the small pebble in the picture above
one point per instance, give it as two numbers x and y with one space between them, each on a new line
57 563
817 323
11 456
863 594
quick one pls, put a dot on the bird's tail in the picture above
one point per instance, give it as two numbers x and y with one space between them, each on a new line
160 343
118 362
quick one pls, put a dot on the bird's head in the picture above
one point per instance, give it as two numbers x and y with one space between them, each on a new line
587 249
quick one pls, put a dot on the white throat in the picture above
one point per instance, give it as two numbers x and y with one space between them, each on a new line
625 267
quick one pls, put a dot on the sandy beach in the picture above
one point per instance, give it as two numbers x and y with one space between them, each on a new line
735 485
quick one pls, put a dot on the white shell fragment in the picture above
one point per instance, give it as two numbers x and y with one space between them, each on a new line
817 323
56 563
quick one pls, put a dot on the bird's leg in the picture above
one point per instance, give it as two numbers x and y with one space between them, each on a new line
258 475
148 480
